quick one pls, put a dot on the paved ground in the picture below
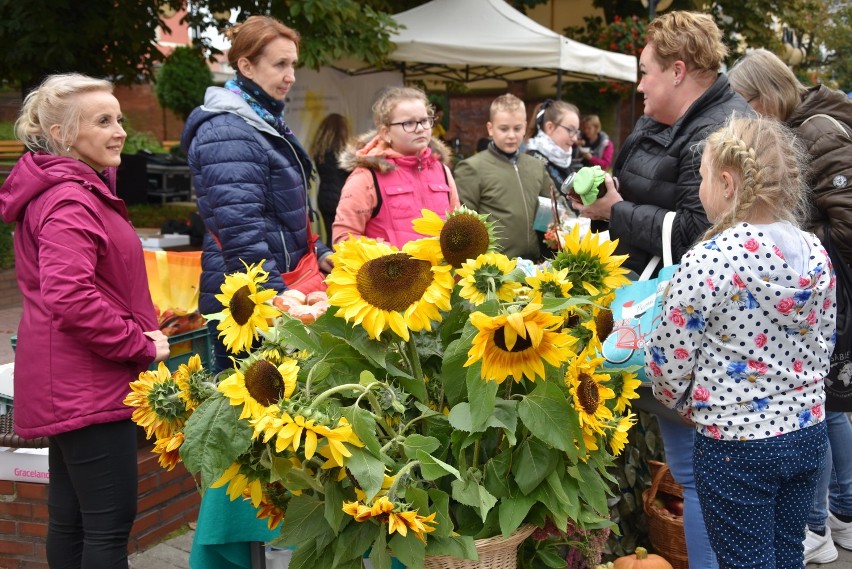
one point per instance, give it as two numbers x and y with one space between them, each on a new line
174 553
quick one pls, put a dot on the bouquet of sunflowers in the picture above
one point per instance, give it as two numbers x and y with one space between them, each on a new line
445 396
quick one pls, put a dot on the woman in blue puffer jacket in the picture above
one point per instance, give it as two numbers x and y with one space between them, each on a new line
250 173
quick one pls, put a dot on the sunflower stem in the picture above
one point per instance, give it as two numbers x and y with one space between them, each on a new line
337 389
399 476
416 369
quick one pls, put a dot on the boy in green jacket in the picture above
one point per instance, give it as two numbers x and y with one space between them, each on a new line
505 183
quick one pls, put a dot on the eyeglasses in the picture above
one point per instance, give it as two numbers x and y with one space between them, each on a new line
411 126
572 131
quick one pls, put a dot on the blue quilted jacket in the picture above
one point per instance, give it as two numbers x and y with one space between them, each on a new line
251 188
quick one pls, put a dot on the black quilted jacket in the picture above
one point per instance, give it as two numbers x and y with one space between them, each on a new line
658 170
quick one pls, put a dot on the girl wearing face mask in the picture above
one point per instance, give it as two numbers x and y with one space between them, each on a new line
397 170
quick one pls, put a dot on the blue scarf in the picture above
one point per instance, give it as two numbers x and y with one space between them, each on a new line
270 111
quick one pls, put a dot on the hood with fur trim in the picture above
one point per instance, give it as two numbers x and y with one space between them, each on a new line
370 151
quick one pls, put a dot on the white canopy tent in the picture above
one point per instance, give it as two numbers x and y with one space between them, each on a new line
473 40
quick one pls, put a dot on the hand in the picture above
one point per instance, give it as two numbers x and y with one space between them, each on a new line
326 265
161 343
601 208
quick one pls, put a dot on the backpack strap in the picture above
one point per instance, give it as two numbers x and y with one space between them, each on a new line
378 194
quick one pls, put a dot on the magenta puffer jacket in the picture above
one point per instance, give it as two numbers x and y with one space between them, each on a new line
81 272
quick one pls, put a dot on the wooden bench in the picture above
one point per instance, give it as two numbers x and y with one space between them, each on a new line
10 151
169 144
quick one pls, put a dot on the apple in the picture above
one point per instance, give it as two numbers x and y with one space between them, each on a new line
659 504
675 505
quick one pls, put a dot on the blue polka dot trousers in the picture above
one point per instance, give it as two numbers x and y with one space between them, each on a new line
756 495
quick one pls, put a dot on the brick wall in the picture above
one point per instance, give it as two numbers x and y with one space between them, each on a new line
9 293
144 114
167 501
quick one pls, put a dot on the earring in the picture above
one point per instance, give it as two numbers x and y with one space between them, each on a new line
677 82
68 149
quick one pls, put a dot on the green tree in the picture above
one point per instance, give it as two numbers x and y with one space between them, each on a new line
182 80
118 38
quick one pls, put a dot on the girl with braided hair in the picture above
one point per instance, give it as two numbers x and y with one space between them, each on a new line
744 343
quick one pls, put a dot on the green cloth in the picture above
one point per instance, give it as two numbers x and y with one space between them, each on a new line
224 531
586 182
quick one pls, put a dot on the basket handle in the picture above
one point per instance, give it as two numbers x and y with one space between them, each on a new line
655 484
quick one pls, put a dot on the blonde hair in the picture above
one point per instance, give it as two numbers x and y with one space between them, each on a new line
550 111
767 164
391 97
56 101
250 38
593 120
761 75
507 103
331 136
691 37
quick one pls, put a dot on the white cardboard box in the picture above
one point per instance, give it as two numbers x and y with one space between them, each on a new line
153 239
24 464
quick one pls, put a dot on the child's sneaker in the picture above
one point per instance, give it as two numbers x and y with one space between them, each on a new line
819 548
841 532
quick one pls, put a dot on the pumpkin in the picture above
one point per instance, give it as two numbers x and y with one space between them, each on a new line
642 560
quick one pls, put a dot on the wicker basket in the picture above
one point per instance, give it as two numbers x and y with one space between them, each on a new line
8 438
665 529
494 553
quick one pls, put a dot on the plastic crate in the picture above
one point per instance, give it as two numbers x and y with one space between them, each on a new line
182 347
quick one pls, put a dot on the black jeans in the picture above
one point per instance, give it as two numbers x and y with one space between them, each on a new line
92 496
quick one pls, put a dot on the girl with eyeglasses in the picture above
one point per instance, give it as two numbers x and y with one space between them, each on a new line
397 170
553 134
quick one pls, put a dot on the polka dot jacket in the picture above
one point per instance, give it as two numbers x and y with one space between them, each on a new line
745 338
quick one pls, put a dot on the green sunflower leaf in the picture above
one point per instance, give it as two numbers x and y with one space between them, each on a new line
548 414
482 396
214 438
368 470
305 521
468 492
379 556
415 442
533 462
410 550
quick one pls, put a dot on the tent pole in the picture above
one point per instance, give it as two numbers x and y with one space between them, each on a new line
559 84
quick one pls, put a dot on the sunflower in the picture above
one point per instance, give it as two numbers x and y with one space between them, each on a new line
620 434
464 235
514 344
397 516
591 264
589 392
160 410
194 382
379 287
550 282
246 311
273 504
288 431
488 275
624 384
258 385
241 480
169 450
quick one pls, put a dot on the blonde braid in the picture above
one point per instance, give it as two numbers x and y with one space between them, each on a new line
765 161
